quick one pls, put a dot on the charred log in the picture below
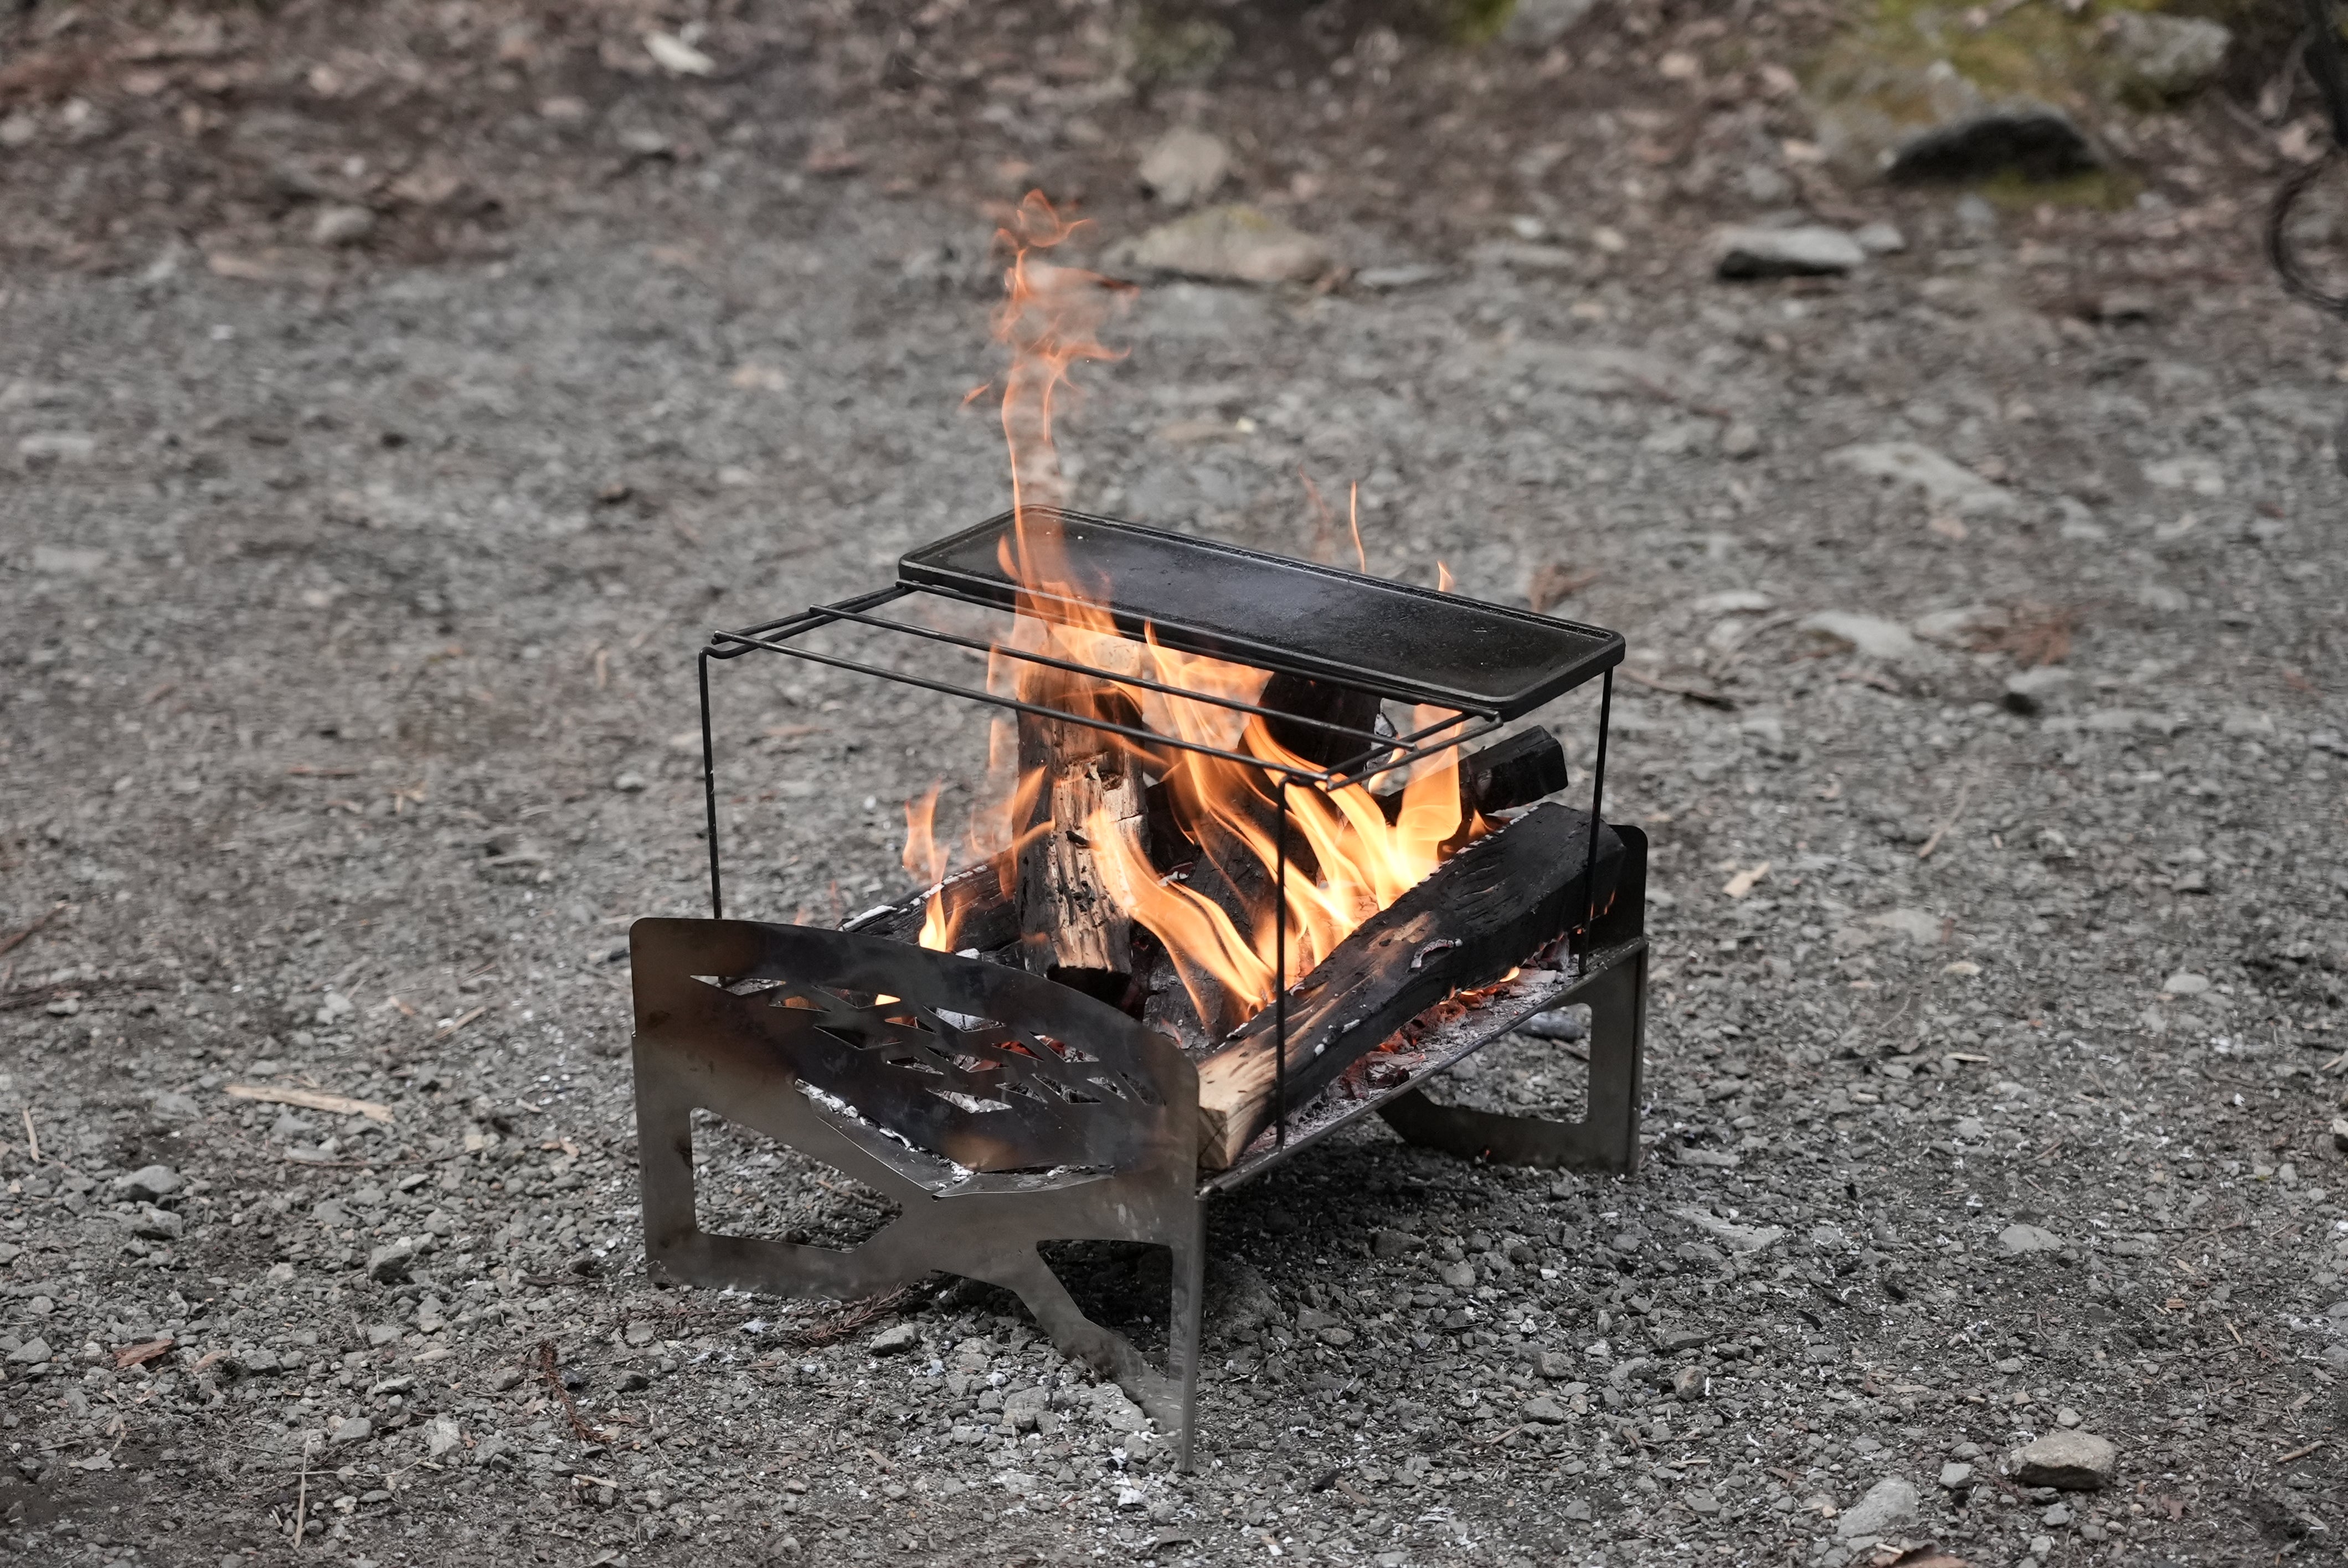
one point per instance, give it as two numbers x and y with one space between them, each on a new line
1483 911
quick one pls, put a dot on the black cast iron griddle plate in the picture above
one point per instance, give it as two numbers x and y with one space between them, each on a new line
1410 643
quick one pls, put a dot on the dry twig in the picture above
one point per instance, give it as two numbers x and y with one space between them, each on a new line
9 942
546 1369
853 1316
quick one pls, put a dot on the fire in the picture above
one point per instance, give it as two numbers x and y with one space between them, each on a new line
1345 859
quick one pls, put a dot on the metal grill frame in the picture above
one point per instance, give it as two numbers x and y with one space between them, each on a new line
1604 964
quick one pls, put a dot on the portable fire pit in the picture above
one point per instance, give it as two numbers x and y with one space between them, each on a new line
1086 1062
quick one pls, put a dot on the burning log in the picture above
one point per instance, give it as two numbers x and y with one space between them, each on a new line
1070 929
1482 912
977 913
1500 777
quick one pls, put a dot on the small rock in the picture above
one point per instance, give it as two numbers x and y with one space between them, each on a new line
631 784
2033 140
158 1224
341 224
148 1184
2025 1241
2185 983
2160 59
1948 486
896 1338
1676 1338
677 57
1880 239
440 1435
31 1353
640 1332
1184 165
2340 1133
1458 1275
2030 692
1869 636
1408 275
389 1264
1735 1237
505 1378
1546 1412
1889 1508
1555 1364
1561 1023
1113 1410
1389 1243
1023 1411
1808 251
1230 243
1956 1475
2070 1460
1740 440
2058 1515
1689 1383
358 1430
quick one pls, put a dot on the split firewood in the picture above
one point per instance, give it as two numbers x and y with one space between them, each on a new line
1465 925
977 913
1070 929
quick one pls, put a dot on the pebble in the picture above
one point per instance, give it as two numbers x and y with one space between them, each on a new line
2025 1241
31 1353
1889 1508
2185 983
389 1264
1184 165
358 1430
1869 636
896 1338
1880 239
341 224
148 1184
1743 252
2070 1460
1956 1475
2031 692
1559 1023
1946 484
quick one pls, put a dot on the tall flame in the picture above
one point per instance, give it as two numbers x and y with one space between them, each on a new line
1346 860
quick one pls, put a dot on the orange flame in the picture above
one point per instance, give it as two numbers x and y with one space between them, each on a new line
1346 860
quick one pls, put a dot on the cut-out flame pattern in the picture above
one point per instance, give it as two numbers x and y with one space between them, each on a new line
1346 861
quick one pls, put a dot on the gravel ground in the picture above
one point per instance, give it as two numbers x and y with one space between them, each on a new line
2001 914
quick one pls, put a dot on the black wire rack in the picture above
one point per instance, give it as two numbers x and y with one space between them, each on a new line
1477 666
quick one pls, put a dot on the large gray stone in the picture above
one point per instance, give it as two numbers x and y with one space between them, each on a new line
1230 243
2027 1240
1807 251
1889 1508
1948 486
2074 1461
1912 123
2159 58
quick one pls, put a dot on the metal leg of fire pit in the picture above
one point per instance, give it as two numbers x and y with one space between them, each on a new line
1607 1138
839 1046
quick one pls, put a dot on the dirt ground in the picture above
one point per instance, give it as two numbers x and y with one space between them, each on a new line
391 400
